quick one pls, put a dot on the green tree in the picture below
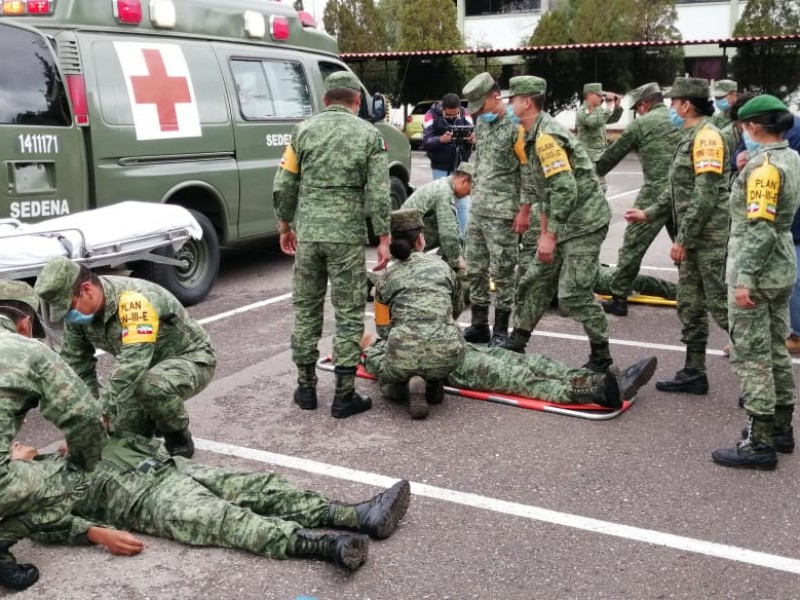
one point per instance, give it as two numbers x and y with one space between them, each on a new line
390 11
356 24
772 67
428 25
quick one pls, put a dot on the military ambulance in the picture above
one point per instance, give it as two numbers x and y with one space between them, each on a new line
186 102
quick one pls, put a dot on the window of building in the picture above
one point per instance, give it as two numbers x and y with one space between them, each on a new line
474 8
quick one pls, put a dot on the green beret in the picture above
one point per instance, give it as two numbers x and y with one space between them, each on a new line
342 80
466 168
19 291
689 87
526 85
723 87
405 219
642 92
593 88
476 91
55 283
761 105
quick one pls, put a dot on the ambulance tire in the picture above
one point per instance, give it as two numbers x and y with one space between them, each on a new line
398 196
191 284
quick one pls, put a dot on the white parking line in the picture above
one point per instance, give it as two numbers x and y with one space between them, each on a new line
245 308
614 197
534 513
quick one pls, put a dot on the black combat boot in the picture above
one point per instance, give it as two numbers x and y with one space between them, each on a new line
755 451
179 443
417 402
15 576
346 401
478 332
500 330
600 358
434 391
517 341
598 388
346 550
377 517
617 305
783 432
687 381
395 392
636 376
305 396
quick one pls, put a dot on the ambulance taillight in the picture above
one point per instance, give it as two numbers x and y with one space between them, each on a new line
77 93
279 27
127 12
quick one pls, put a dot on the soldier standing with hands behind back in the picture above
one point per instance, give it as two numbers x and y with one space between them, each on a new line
332 169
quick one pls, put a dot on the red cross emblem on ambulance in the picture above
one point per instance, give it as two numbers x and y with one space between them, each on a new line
160 90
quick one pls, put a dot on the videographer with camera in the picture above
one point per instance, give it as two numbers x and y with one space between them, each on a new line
446 137
592 119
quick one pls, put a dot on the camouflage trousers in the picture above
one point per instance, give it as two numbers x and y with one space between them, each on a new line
635 242
701 290
399 358
160 396
36 495
642 284
761 362
203 505
528 375
573 273
314 264
491 253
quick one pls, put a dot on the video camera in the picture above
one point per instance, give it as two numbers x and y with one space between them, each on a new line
460 132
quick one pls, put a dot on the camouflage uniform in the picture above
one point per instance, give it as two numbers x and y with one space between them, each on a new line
334 167
421 337
653 138
137 486
643 284
697 200
434 201
35 497
577 212
590 127
163 355
761 258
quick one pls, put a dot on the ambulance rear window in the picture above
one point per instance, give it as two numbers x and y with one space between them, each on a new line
31 89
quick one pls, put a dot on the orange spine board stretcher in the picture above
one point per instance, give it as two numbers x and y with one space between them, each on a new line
650 300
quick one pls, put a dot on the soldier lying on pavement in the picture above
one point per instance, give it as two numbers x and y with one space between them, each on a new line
138 486
35 497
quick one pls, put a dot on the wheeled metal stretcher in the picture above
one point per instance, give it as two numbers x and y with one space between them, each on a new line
104 237
593 412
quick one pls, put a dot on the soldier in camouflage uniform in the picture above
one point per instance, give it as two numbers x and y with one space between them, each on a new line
163 355
138 486
761 273
416 302
574 222
698 201
36 497
653 138
646 285
591 120
334 167
725 95
500 211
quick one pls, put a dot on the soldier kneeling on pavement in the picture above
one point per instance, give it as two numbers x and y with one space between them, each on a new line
140 487
163 355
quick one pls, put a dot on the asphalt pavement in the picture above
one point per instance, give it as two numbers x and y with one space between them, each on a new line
508 503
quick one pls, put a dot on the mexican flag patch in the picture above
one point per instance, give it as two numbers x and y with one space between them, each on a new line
381 144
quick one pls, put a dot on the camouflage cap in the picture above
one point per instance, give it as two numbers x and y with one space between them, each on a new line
689 87
525 85
405 219
54 285
723 87
342 80
19 291
761 105
593 88
644 91
466 168
476 91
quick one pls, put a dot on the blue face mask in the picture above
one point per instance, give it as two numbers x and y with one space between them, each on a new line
488 117
751 146
677 120
76 317
722 104
514 118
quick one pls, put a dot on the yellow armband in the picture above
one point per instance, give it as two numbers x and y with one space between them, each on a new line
763 189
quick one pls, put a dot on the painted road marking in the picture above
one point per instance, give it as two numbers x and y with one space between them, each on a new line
534 513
